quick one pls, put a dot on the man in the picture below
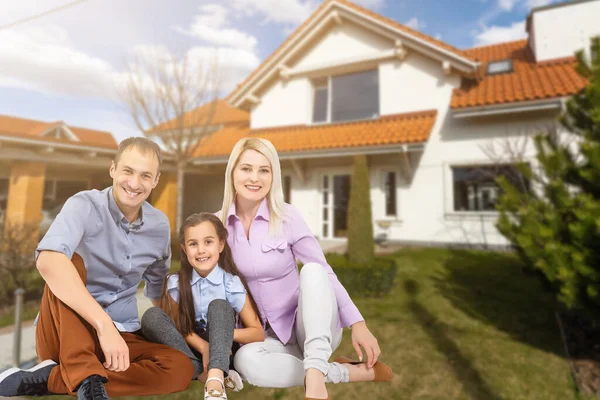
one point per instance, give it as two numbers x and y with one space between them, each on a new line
93 257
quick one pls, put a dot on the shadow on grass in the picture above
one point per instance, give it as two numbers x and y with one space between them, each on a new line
494 289
462 367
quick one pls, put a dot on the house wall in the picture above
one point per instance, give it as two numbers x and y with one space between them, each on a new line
550 42
425 203
416 83
346 41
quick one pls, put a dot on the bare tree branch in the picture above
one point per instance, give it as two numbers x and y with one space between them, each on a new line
173 98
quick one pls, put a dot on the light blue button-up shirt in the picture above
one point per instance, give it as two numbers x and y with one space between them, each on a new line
117 254
217 285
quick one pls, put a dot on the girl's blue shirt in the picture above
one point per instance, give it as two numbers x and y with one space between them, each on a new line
217 285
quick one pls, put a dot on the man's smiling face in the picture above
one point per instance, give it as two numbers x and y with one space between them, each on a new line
134 177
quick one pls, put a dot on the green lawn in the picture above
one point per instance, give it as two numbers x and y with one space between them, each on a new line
457 325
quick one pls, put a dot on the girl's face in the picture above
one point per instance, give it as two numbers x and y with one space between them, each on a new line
252 177
202 247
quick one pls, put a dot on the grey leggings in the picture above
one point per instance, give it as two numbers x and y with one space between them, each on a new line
158 327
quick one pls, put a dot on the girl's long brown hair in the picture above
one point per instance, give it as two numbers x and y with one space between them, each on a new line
184 313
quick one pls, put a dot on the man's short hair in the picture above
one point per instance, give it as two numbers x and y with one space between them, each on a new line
142 144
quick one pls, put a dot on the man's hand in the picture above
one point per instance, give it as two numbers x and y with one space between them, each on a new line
116 352
362 336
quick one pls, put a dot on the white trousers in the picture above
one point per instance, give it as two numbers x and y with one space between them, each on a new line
314 338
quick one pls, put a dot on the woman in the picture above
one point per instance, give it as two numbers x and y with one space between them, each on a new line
304 313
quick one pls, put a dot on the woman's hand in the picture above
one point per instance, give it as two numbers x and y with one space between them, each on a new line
362 337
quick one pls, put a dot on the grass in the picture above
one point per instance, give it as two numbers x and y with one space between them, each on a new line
457 325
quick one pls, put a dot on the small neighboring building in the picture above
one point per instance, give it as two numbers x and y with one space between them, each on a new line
44 163
432 119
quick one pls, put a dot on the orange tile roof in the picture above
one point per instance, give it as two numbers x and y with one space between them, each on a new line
362 10
223 113
388 130
28 128
528 80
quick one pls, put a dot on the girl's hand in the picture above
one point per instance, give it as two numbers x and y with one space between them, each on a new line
204 350
362 337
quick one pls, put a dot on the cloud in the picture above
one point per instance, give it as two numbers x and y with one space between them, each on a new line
211 26
537 3
42 59
372 4
499 34
415 23
507 5
278 11
289 13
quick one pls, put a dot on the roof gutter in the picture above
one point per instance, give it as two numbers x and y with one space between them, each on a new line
511 108
66 146
351 151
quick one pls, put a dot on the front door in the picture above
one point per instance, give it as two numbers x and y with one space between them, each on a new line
336 196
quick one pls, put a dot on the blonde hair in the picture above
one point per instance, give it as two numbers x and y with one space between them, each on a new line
275 195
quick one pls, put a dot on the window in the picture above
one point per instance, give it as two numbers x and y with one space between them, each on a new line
499 67
390 194
3 193
347 97
475 187
320 104
287 189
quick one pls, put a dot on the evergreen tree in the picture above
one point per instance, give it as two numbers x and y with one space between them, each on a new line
361 247
555 226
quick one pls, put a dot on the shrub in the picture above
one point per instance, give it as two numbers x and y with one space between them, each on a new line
17 262
361 246
557 231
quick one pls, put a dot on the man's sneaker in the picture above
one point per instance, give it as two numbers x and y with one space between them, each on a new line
26 382
92 388
233 381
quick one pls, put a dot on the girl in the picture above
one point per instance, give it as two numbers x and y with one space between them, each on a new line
198 305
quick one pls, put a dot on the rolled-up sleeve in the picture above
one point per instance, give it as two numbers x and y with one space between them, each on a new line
307 249
155 274
68 228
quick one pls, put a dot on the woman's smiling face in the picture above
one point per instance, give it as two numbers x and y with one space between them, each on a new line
252 176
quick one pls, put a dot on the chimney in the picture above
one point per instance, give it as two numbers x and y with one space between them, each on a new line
559 30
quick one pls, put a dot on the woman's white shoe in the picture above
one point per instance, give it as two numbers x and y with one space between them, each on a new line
233 381
215 394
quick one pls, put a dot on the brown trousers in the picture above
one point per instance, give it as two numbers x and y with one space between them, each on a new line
63 336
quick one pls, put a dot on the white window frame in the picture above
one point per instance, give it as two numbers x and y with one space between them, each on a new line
320 173
448 183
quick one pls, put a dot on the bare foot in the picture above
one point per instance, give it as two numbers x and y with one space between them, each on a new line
360 372
315 384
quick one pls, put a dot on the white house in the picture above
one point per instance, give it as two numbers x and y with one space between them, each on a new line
432 119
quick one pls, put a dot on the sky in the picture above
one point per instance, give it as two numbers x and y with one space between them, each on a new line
68 65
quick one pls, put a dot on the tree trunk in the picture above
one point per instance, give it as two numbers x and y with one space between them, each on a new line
180 187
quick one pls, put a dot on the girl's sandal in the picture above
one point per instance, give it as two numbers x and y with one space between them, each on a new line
215 394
